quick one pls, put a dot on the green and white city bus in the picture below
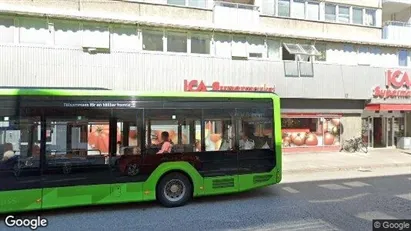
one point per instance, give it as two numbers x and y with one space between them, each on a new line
74 147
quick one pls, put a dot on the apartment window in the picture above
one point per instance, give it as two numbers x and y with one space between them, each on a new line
7 30
344 14
322 50
364 55
403 58
304 51
34 30
153 40
370 17
200 44
67 33
96 35
330 13
124 37
256 47
222 45
197 3
357 16
273 49
268 7
313 11
239 47
298 9
177 2
348 48
176 42
284 8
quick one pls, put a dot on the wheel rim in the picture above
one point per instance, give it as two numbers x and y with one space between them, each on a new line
174 190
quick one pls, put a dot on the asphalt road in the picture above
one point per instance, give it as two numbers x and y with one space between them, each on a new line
341 204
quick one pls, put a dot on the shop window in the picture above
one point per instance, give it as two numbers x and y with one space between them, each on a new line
200 44
344 14
7 30
303 132
176 42
357 16
284 8
153 40
330 12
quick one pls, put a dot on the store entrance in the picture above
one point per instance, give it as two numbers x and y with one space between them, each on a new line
383 131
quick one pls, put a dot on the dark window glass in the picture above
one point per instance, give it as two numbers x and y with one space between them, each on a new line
219 157
256 141
80 147
128 158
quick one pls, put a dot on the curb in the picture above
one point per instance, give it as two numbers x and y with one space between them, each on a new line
347 168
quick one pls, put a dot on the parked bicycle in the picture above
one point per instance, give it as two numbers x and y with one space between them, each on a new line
354 144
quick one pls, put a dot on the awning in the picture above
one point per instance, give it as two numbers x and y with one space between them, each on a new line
388 107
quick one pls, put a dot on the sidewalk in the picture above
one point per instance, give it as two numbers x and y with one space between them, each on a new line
341 161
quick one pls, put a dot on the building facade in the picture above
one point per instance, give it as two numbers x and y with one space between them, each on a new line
340 68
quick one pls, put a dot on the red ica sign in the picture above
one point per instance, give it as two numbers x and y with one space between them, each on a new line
199 86
397 85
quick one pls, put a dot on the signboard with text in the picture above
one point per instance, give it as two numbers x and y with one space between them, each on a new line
200 86
397 86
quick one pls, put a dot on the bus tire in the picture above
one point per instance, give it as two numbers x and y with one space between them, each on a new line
174 189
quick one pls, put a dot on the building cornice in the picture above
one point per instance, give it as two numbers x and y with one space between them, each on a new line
184 24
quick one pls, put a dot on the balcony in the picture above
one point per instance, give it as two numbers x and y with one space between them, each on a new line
399 31
395 6
228 14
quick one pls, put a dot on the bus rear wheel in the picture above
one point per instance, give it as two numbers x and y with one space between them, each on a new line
174 190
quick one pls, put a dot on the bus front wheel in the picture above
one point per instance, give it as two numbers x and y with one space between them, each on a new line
174 190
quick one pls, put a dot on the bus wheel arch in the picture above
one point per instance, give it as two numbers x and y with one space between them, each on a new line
174 177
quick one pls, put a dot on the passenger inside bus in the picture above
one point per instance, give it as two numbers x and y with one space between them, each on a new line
166 145
8 151
245 142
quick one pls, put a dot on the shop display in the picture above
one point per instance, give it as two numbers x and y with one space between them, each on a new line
302 132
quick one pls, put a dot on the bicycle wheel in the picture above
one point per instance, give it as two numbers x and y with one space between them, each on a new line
363 147
349 146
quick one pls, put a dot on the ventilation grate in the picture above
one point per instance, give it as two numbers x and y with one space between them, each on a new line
223 183
261 178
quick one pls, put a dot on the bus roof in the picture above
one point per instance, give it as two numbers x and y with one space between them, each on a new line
40 91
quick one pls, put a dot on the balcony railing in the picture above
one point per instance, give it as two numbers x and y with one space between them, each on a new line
394 30
235 14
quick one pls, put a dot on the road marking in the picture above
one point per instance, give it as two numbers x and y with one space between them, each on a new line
340 199
405 196
356 184
295 225
333 186
373 215
290 190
